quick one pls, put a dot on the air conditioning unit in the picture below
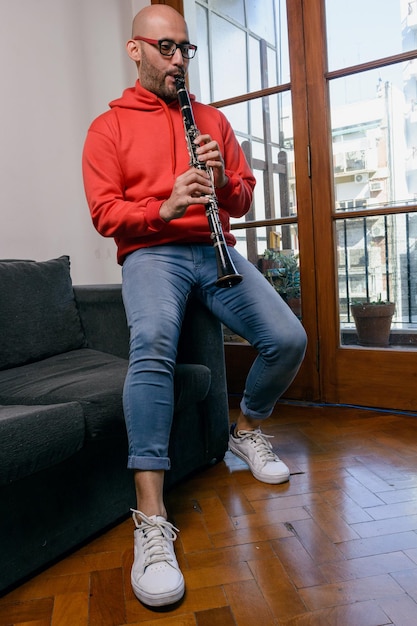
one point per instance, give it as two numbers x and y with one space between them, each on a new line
375 185
361 178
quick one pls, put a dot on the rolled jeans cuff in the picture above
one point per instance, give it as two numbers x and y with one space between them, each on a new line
148 463
255 415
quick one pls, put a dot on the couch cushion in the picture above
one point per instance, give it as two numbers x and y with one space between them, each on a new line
33 438
38 313
93 378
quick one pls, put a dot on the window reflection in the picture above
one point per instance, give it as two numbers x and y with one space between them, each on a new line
359 31
374 133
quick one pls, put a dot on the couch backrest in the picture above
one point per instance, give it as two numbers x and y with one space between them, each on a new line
38 313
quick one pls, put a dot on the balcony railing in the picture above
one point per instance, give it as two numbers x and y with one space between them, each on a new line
377 260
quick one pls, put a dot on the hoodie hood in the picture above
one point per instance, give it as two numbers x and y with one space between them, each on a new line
141 99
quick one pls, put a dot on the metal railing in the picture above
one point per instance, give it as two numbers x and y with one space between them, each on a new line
377 260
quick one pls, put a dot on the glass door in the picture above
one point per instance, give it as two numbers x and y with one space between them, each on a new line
244 67
323 98
363 88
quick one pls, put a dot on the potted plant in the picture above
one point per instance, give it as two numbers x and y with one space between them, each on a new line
373 322
281 268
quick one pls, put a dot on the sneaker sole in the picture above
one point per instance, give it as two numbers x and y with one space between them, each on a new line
271 480
162 599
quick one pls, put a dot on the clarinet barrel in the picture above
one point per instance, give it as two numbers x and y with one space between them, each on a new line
227 275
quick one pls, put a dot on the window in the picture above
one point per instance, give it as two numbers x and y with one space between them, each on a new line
247 40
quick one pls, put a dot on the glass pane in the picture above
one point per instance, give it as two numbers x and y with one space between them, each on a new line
229 59
268 145
377 261
267 24
255 78
232 8
280 266
359 31
274 250
261 19
238 116
203 54
374 132
282 55
242 47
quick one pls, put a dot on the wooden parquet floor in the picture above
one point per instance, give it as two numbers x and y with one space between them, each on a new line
337 545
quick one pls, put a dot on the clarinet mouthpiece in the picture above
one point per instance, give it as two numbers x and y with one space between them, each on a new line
179 81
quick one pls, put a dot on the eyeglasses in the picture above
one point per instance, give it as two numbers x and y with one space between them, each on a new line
168 48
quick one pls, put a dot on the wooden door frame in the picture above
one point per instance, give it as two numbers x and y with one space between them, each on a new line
322 190
307 383
175 4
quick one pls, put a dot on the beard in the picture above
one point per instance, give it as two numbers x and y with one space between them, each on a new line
155 80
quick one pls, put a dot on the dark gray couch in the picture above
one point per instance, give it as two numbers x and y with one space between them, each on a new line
63 353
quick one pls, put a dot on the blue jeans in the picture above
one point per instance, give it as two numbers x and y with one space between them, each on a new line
156 284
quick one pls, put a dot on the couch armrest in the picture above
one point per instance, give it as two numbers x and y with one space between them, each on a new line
103 318
104 321
201 341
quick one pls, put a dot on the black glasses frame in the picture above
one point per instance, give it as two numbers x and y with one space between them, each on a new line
168 48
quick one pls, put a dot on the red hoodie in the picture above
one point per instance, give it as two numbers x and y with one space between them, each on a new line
132 155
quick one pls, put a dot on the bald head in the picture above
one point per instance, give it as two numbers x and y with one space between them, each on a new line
157 71
152 20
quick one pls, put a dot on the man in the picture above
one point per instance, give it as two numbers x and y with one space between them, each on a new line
142 191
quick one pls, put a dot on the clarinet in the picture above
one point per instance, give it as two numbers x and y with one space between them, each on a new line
227 275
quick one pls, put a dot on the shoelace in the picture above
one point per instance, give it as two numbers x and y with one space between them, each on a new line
155 533
260 443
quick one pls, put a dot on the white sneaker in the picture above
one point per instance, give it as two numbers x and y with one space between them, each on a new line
253 447
156 578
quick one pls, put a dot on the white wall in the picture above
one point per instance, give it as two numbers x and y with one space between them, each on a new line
61 62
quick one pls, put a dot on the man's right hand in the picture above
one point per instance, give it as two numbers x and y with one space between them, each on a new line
191 187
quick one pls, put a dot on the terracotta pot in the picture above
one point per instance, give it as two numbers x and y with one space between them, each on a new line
373 323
